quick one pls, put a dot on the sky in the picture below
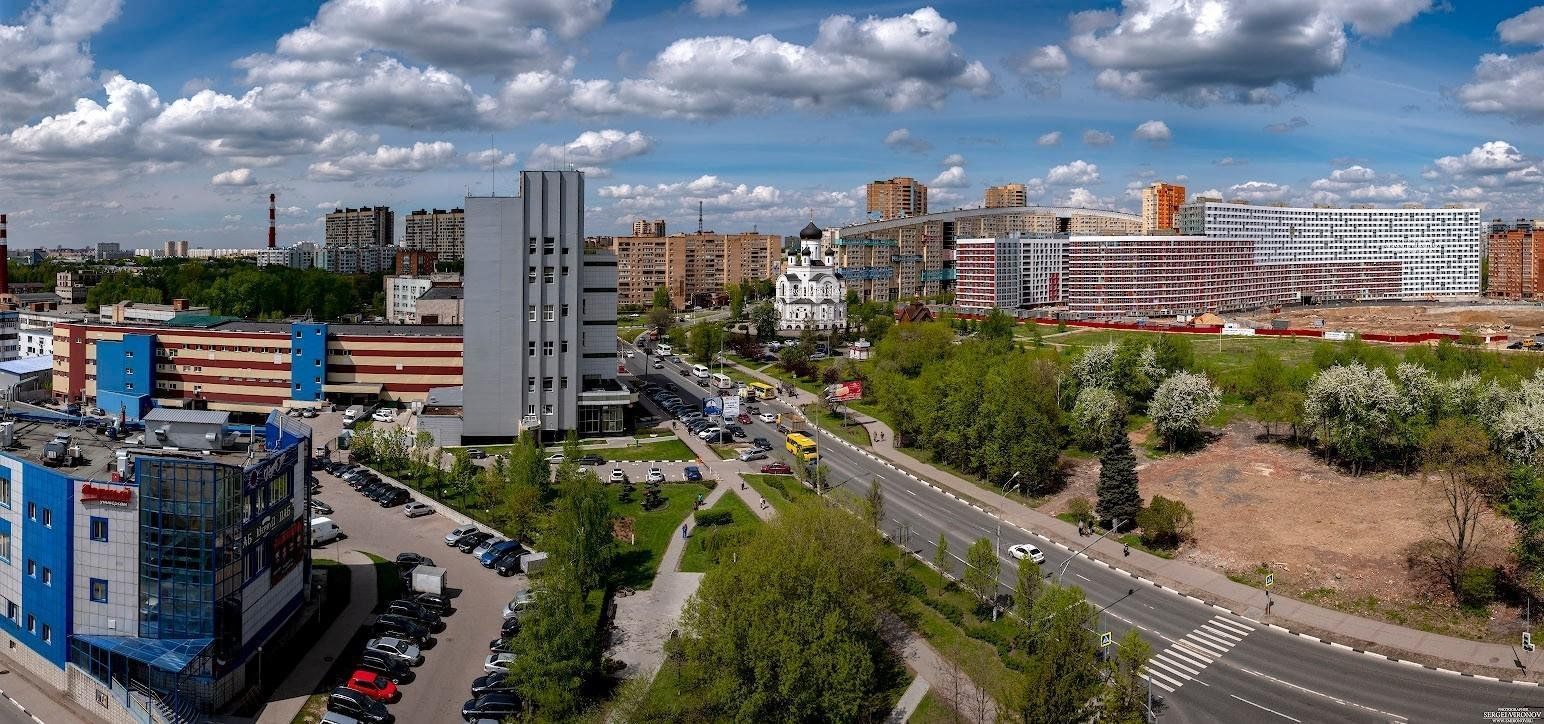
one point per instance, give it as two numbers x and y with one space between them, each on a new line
139 121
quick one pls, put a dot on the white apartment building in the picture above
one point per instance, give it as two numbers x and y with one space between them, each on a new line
990 273
1438 250
300 255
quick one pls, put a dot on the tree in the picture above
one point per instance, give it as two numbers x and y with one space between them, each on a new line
764 317
705 340
1348 408
1181 405
1124 700
875 505
1265 376
981 569
736 300
941 555
1096 416
1096 368
1279 408
1026 588
662 298
788 632
1119 498
796 359
1467 473
1166 522
579 532
1062 678
559 648
997 328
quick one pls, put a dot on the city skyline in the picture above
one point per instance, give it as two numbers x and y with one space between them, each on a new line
109 139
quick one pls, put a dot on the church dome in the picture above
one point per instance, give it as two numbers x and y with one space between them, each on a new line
810 231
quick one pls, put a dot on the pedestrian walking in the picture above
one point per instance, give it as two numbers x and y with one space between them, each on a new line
683 531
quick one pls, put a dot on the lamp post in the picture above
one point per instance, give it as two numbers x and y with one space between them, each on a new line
1010 482
1063 572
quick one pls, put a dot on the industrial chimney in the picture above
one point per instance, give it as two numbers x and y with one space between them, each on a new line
5 260
271 233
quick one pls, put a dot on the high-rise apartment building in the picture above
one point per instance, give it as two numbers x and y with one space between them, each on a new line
645 227
1006 195
541 311
897 198
175 249
1516 261
365 226
1160 203
439 231
415 262
696 267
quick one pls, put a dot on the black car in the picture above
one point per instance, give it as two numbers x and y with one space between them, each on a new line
491 706
722 437
466 543
348 702
436 602
381 491
371 487
509 563
501 645
591 460
510 627
761 443
476 454
401 627
318 506
396 497
491 684
418 613
410 560
735 430
390 667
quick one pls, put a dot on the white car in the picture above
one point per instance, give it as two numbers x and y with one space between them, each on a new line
383 416
396 648
498 663
416 509
1025 550
708 432
555 459
525 601
767 417
656 475
629 354
617 476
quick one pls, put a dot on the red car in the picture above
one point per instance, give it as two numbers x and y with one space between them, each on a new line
776 469
373 685
743 419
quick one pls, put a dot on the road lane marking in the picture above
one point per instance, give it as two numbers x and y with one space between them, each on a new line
1307 690
1219 633
1156 676
1170 666
1221 645
1265 708
1242 629
1155 682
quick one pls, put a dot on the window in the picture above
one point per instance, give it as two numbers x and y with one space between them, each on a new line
546 348
128 385
12 611
530 409
564 382
546 384
48 576
5 545
564 349
530 348
32 624
530 275
530 312
48 634
98 590
546 409
98 528
32 567
48 517
32 511
565 310
530 384
5 487
547 313
546 275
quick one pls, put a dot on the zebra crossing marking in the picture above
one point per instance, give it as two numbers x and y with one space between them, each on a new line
1189 656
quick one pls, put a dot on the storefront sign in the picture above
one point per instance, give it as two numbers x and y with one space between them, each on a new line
97 494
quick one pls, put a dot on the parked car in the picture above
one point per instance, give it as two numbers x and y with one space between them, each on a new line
486 545
778 468
406 651
508 564
387 666
475 453
735 430
722 437
656 475
346 701
416 612
470 541
498 663
410 560
618 476
658 365
693 473
397 496
415 509
510 627
400 627
383 416
591 460
709 431
490 684
497 551
502 645
761 443
436 602
458 533
1025 550
522 602
373 685
555 459
750 454
497 706
318 506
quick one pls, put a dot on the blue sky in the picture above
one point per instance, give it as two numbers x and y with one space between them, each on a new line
139 120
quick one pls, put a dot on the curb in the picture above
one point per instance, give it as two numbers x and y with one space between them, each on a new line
19 705
1160 586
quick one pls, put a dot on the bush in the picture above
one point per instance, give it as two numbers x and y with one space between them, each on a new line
1165 523
949 610
988 634
706 518
1080 509
1477 586
909 585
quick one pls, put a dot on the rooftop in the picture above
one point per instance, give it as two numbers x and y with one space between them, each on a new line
27 365
98 454
444 293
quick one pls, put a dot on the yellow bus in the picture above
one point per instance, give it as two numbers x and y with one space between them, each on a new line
802 446
760 391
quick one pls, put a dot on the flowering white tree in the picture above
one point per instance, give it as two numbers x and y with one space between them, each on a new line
1096 415
1519 428
1181 404
1422 392
1149 367
1469 396
1096 368
1348 408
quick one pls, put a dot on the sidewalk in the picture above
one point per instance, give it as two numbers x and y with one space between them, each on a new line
308 672
1208 585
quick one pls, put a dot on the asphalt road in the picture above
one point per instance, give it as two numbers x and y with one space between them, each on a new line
1205 670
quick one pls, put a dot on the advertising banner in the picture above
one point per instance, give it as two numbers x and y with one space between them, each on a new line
731 406
846 391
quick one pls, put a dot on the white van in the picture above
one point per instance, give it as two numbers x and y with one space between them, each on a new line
699 370
662 349
324 531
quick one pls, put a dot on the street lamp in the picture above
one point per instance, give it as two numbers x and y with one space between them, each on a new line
1010 482
1063 571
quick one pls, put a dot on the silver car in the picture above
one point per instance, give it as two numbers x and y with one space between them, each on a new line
416 509
485 545
400 649
458 533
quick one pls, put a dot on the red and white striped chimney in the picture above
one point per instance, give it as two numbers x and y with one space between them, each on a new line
271 230
5 260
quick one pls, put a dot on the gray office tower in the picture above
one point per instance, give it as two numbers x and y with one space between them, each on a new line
541 317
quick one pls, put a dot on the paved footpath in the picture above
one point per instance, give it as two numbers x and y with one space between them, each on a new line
285 703
1206 584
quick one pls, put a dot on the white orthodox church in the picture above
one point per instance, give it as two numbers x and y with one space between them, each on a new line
809 292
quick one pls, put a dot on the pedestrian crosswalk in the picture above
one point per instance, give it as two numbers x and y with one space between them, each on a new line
1189 656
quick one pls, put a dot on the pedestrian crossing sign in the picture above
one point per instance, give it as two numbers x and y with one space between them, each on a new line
1270 578
1104 640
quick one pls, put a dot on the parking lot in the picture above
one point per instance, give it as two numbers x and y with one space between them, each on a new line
456 658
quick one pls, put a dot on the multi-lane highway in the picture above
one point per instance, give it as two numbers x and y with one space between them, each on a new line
1209 665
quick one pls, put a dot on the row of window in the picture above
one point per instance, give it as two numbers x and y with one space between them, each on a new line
546 348
546 383
547 312
546 274
13 612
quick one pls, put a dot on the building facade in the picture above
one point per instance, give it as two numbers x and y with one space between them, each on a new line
990 273
299 255
355 259
1436 250
402 293
439 231
1516 255
365 226
647 227
1006 196
897 198
72 286
695 267
175 249
1160 204
441 305
541 316
809 293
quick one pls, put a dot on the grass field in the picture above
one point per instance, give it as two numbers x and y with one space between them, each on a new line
636 564
833 423
780 491
672 449
697 558
933 710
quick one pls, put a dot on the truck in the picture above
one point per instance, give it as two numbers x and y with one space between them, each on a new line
791 422
353 414
429 579
533 562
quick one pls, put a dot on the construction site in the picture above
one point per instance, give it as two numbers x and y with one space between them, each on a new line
1511 322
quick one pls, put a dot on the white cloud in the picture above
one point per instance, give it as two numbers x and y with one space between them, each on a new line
234 177
1093 137
1506 85
388 92
901 139
951 178
231 218
420 156
92 129
1049 139
1213 193
1082 198
1040 70
1361 184
491 158
1210 52
45 60
718 8
1525 29
953 159
1487 159
1287 126
592 149
1154 132
1259 191
1077 172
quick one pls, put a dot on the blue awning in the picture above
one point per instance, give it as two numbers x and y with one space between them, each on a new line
172 655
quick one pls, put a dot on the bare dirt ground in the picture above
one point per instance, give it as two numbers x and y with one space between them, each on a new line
1329 537
1411 319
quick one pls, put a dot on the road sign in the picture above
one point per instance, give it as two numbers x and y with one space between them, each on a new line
1104 640
1527 641
1270 579
731 406
713 406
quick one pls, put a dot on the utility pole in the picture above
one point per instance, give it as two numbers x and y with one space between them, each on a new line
1063 572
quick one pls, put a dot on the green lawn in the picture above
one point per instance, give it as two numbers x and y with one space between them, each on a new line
636 563
933 710
709 545
833 423
672 449
780 491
